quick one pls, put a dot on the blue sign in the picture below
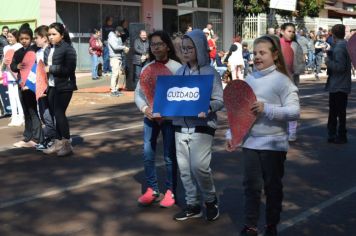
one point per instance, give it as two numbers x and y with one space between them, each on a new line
178 95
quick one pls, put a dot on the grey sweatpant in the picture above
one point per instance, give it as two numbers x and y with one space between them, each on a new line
193 157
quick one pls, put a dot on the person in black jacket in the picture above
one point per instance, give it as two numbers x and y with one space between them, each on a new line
33 133
3 41
60 60
141 46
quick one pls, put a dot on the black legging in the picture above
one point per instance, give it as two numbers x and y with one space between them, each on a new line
58 103
33 128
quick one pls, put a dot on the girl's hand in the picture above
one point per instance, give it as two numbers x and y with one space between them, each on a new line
148 113
257 108
202 115
229 147
20 66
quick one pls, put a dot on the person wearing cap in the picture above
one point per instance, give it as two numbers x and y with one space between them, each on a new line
116 49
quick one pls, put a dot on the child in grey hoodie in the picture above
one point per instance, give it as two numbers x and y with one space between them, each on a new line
194 135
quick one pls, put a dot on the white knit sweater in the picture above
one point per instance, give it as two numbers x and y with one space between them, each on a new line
281 104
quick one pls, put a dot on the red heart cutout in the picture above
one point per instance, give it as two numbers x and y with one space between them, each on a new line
28 61
238 99
41 79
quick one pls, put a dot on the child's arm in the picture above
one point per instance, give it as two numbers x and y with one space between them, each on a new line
70 63
290 109
216 101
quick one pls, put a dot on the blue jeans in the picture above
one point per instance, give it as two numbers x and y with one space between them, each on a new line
106 59
151 130
94 65
138 69
311 60
318 62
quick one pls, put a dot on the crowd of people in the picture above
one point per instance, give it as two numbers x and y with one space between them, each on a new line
46 126
278 60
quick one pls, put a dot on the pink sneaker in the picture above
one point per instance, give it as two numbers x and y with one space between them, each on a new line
168 199
148 197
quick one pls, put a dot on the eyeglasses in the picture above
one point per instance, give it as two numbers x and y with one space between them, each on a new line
158 45
188 49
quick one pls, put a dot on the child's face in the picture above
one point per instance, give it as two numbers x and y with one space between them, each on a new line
188 50
263 56
11 38
25 40
40 41
288 33
159 48
54 36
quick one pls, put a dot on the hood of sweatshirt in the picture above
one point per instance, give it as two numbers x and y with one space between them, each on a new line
201 45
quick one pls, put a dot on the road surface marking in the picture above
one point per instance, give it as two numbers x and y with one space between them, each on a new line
315 210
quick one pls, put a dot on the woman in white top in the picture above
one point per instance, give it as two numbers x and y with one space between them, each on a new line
17 117
236 60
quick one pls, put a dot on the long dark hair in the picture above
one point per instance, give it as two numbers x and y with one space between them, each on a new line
167 40
59 27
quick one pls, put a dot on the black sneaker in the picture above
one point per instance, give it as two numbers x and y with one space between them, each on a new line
340 140
189 212
249 231
212 210
270 230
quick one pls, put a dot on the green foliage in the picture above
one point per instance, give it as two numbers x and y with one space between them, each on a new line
304 7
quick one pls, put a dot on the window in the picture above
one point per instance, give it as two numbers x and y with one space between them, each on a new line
169 2
202 3
217 4
170 22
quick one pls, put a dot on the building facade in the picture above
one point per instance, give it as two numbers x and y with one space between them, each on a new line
82 16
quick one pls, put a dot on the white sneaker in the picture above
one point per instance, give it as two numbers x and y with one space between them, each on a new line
20 121
13 121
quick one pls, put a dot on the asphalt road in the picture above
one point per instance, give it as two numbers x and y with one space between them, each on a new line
94 192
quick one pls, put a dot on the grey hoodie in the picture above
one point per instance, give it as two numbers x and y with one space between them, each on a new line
116 47
216 102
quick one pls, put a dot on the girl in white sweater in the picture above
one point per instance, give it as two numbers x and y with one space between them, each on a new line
17 116
266 145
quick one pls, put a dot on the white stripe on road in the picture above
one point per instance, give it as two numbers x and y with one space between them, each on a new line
315 210
78 136
91 180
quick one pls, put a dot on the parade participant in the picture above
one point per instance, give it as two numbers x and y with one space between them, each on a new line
33 133
295 62
161 51
49 130
194 135
338 85
265 146
236 60
60 60
95 51
17 115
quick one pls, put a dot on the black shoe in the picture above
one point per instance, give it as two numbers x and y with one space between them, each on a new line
270 230
249 231
331 138
212 210
340 140
189 212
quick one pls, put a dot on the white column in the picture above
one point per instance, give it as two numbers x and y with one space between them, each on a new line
47 12
152 14
228 22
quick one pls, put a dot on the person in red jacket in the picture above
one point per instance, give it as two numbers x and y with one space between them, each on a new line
95 51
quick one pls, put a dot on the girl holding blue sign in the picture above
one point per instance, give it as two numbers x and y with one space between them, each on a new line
265 147
194 135
33 133
165 62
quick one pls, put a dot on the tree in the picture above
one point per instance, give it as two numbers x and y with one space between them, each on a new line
304 8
